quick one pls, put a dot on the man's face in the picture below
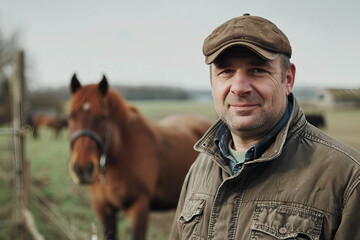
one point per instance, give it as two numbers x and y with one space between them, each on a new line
250 93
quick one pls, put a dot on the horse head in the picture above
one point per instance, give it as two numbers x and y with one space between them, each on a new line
90 130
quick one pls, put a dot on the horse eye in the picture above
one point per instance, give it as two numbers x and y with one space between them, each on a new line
72 116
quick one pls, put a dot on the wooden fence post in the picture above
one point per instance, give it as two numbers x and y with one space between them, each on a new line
17 89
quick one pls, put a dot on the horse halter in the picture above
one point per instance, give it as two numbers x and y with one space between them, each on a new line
102 145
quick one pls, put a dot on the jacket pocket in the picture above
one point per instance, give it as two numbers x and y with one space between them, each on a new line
190 217
277 221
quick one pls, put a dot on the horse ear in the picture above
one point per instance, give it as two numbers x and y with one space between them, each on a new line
103 85
75 84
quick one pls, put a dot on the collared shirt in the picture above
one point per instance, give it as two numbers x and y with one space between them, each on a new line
236 157
223 137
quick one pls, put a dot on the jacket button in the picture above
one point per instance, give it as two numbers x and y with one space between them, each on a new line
282 230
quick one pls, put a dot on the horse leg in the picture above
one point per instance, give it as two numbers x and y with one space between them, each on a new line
107 216
139 213
35 134
110 229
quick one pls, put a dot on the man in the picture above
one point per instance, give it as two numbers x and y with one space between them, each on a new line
263 171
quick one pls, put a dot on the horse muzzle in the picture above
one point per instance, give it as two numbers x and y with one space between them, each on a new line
83 174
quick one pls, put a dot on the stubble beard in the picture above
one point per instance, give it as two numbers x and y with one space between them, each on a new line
238 124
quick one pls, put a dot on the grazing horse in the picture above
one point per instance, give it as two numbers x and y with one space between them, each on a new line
45 120
131 164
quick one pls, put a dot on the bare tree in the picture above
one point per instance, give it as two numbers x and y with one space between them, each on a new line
8 47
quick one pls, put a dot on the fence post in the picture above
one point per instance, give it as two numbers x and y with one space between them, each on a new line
17 89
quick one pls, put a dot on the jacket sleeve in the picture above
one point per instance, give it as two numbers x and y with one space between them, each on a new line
176 227
349 225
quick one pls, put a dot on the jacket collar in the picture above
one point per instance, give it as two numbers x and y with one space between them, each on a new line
296 122
223 137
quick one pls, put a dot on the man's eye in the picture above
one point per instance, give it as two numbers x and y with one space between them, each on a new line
259 70
226 71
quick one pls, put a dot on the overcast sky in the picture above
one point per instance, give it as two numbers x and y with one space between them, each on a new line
159 42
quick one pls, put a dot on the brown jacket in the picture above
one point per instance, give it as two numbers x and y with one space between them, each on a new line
305 186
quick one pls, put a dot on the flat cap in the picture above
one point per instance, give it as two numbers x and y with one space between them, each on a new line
255 33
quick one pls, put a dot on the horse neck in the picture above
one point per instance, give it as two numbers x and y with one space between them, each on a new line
128 124
127 129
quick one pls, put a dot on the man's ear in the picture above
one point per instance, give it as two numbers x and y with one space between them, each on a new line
74 84
290 78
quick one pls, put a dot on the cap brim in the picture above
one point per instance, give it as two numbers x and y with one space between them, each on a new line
260 51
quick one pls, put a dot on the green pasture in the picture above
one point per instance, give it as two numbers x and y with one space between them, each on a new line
62 209
344 125
155 110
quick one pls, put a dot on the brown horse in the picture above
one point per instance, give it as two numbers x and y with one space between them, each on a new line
46 120
131 164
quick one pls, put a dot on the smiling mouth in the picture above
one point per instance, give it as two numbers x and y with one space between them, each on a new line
243 107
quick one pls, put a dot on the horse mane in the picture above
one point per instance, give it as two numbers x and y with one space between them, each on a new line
117 106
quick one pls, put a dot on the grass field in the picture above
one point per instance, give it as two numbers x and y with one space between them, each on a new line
62 209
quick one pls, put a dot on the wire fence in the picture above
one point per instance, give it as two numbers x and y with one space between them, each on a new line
15 217
18 180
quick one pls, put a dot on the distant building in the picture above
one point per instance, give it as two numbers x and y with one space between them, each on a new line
339 98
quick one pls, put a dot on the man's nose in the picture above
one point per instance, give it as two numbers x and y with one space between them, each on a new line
241 84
